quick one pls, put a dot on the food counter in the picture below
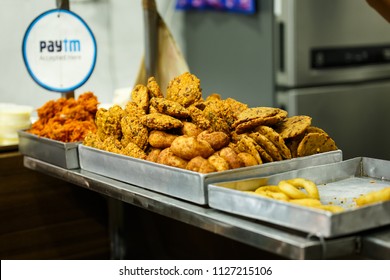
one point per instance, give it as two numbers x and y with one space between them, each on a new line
280 241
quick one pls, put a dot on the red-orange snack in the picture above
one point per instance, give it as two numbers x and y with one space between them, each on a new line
67 120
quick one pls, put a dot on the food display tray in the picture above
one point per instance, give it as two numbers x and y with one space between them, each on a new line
338 183
180 183
58 153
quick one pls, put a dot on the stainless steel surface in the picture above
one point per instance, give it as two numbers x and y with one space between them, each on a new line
184 184
338 184
303 25
376 245
150 36
354 115
286 243
52 151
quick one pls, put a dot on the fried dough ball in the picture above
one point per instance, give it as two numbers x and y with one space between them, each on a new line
112 144
154 88
134 131
167 157
184 89
153 154
190 129
201 165
247 158
187 147
169 107
160 122
92 140
231 158
160 139
216 139
218 162
140 95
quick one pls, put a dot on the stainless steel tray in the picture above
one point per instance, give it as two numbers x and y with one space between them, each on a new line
180 183
55 152
338 183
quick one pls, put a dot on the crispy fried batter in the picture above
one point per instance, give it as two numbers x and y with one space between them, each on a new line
314 143
67 120
184 89
169 107
109 121
133 150
140 95
248 159
160 122
231 157
154 88
190 129
218 162
293 126
248 145
195 163
134 131
276 139
153 154
198 118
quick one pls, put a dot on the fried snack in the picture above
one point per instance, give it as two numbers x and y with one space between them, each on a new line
92 140
132 150
231 158
314 143
195 163
331 208
132 109
198 118
308 185
184 89
309 202
190 129
133 131
267 145
248 145
293 126
247 159
67 120
161 139
154 88
109 122
216 139
218 162
188 147
232 109
276 139
265 157
167 157
373 197
292 191
112 144
169 107
159 121
273 192
214 111
140 95
153 154
253 117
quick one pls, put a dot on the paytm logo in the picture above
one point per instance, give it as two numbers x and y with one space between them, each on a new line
60 46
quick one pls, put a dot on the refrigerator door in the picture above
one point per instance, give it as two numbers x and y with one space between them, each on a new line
356 116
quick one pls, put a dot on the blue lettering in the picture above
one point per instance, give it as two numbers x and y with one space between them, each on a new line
60 46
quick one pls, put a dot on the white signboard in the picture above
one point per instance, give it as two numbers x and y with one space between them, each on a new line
59 50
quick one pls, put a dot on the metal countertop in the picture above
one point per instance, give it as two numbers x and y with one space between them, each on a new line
280 241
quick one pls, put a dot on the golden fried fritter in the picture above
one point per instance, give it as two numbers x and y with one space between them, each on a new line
218 162
190 129
133 150
134 131
184 89
198 118
161 139
140 95
167 157
133 110
231 158
216 139
160 122
248 159
187 147
154 88
109 121
248 145
169 107
195 163
153 154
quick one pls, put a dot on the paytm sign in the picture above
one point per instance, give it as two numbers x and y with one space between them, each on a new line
59 50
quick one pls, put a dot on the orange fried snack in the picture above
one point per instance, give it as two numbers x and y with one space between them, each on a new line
67 120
